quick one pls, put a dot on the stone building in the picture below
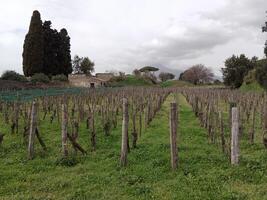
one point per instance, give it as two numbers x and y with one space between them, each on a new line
82 80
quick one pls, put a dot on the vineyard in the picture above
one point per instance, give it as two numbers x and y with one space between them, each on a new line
134 143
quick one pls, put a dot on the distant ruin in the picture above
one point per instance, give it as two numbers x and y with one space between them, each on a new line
82 80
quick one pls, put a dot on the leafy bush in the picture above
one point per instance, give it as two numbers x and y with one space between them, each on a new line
261 73
13 76
40 78
60 77
236 68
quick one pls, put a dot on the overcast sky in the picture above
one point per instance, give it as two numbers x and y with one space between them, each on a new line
128 34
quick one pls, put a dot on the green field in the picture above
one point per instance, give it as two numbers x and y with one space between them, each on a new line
131 80
203 171
175 83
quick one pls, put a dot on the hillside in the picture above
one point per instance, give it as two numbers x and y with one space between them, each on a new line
255 87
175 83
130 80
250 83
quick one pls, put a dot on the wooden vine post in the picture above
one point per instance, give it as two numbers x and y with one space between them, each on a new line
124 141
93 134
173 135
264 136
234 138
64 129
33 126
252 131
222 132
134 132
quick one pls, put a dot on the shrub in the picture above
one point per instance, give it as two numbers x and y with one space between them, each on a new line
261 73
40 78
236 68
60 77
13 76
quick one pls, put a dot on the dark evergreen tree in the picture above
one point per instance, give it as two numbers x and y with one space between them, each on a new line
51 49
64 57
57 58
45 49
33 48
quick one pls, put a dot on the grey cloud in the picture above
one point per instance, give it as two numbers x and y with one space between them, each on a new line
236 20
195 41
242 13
125 34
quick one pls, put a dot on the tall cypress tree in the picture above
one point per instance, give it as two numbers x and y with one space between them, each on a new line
57 58
64 57
51 48
33 48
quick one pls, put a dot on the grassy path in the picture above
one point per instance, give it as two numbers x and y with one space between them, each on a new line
203 172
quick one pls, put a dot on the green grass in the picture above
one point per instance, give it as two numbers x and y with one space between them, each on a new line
255 87
203 172
175 83
131 80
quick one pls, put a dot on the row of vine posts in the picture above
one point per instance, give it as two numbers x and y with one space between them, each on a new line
227 115
138 108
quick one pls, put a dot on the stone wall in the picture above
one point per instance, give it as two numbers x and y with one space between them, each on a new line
81 80
104 76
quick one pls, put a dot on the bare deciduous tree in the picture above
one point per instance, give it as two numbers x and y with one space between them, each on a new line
164 76
198 74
